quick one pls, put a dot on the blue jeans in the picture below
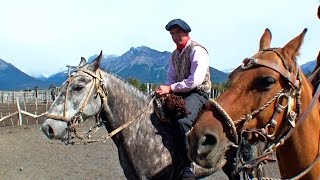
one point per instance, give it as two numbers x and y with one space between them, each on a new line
194 101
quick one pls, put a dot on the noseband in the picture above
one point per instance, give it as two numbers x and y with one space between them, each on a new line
290 93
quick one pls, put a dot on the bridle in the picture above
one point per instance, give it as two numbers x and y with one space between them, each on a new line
75 121
292 93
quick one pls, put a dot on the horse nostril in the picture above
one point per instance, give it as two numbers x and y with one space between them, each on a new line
207 143
48 131
210 140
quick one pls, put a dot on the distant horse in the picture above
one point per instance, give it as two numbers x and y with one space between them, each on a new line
269 99
145 146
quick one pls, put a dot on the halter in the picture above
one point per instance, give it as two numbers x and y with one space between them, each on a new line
293 91
75 120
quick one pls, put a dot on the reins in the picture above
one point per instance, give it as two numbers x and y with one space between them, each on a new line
120 128
294 118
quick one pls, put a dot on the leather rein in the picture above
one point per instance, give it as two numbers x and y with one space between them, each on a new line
294 117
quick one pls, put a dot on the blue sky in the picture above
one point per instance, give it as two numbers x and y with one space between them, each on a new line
42 37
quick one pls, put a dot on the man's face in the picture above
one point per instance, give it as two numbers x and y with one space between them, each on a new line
178 35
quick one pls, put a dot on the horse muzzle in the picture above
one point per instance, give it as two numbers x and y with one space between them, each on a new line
207 150
54 129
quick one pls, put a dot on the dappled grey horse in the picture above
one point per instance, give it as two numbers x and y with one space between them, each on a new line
145 145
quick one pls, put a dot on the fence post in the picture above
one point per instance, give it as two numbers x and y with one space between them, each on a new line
9 109
13 97
36 106
46 100
19 112
25 107
1 118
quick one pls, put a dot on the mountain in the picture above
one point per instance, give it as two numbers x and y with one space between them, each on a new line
228 71
59 78
308 67
142 63
147 65
11 78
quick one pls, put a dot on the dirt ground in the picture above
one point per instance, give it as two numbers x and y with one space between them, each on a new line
25 153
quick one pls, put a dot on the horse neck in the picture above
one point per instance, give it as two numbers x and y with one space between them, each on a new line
301 149
142 138
124 100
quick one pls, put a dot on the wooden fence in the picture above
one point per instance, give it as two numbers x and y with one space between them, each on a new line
40 96
24 107
29 107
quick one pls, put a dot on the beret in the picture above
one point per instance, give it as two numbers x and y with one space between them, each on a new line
178 22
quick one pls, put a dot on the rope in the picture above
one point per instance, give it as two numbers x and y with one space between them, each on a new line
249 116
228 118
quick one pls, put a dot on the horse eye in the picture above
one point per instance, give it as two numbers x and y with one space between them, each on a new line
78 87
265 83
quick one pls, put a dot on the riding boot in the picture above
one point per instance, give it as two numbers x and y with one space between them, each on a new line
187 172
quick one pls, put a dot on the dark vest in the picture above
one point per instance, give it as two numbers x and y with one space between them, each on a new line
182 65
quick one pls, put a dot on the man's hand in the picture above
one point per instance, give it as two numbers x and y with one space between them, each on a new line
162 90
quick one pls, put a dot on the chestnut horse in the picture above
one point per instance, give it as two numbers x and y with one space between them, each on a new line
269 99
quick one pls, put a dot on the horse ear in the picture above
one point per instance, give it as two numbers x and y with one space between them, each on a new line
265 40
291 49
96 62
83 61
318 61
317 64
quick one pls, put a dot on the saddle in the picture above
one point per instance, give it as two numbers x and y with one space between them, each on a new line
169 106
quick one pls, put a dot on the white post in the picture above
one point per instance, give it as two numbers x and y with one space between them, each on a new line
19 113
1 118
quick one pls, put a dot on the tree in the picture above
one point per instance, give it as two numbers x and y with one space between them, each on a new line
135 82
143 87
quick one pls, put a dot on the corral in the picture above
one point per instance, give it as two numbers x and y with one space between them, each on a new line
26 153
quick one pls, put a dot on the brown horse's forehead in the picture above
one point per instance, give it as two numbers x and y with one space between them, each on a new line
268 55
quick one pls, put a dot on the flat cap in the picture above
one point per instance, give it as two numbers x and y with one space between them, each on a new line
178 22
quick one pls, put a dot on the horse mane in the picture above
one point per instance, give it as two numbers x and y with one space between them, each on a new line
127 85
